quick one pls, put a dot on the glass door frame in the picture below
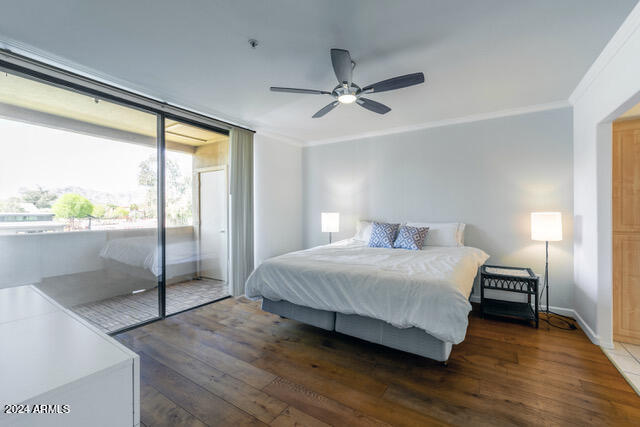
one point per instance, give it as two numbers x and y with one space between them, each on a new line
161 115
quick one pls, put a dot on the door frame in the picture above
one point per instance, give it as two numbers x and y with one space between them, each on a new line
196 178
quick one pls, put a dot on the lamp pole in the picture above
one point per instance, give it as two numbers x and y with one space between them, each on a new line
546 227
546 273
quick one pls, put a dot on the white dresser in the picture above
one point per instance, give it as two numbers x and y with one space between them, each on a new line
50 356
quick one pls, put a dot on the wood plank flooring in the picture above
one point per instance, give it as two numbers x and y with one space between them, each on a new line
229 363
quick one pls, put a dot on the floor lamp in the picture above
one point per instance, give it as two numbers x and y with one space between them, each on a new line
547 227
330 223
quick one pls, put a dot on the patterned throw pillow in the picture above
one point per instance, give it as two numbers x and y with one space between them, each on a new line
411 237
383 235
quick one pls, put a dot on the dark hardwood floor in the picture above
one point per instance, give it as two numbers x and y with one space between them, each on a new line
229 363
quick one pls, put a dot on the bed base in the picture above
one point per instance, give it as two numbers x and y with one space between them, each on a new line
411 340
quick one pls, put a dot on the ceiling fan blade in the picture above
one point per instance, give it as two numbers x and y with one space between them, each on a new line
326 109
295 90
374 106
342 65
395 83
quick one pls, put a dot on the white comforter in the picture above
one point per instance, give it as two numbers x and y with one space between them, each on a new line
428 289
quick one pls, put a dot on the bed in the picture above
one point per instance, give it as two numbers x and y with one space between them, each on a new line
416 301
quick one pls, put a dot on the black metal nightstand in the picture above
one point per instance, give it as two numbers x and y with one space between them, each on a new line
510 279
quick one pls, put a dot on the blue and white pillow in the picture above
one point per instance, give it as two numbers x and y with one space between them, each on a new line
411 237
383 235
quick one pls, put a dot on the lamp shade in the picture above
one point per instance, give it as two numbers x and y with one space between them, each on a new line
546 226
330 222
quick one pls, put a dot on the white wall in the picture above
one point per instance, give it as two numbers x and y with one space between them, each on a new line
610 87
277 197
489 174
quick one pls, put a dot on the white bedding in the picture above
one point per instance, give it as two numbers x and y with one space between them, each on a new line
428 289
143 252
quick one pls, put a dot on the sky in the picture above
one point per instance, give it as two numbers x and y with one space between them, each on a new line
32 155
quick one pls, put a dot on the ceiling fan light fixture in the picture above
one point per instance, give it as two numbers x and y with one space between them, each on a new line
347 92
347 98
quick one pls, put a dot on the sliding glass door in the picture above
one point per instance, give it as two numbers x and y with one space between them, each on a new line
78 201
83 217
196 193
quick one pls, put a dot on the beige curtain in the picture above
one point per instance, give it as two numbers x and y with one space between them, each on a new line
241 208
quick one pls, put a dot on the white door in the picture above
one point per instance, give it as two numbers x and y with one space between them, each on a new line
213 224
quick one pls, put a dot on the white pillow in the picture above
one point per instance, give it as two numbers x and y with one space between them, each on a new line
442 233
363 231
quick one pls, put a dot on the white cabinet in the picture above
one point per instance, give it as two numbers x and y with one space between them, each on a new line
50 356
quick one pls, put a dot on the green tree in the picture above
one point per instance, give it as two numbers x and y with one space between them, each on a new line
121 213
116 212
39 197
72 206
99 211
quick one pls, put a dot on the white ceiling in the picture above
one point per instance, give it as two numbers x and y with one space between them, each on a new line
478 56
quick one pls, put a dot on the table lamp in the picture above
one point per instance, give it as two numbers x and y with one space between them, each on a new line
330 223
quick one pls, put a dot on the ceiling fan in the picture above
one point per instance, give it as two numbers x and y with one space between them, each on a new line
348 92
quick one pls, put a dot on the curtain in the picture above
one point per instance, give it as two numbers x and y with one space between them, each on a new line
241 208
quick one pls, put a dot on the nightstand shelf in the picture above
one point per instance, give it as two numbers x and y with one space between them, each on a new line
496 307
509 279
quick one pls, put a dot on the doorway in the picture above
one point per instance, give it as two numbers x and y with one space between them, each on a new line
212 196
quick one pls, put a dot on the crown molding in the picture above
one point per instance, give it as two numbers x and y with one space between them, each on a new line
619 39
445 122
279 137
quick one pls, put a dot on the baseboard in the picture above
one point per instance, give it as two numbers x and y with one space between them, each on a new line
569 312
586 328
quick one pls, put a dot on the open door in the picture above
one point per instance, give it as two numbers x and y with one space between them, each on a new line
213 223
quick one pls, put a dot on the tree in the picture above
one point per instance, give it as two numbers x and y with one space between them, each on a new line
147 174
72 206
178 191
11 205
99 211
147 177
40 198
121 213
116 212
